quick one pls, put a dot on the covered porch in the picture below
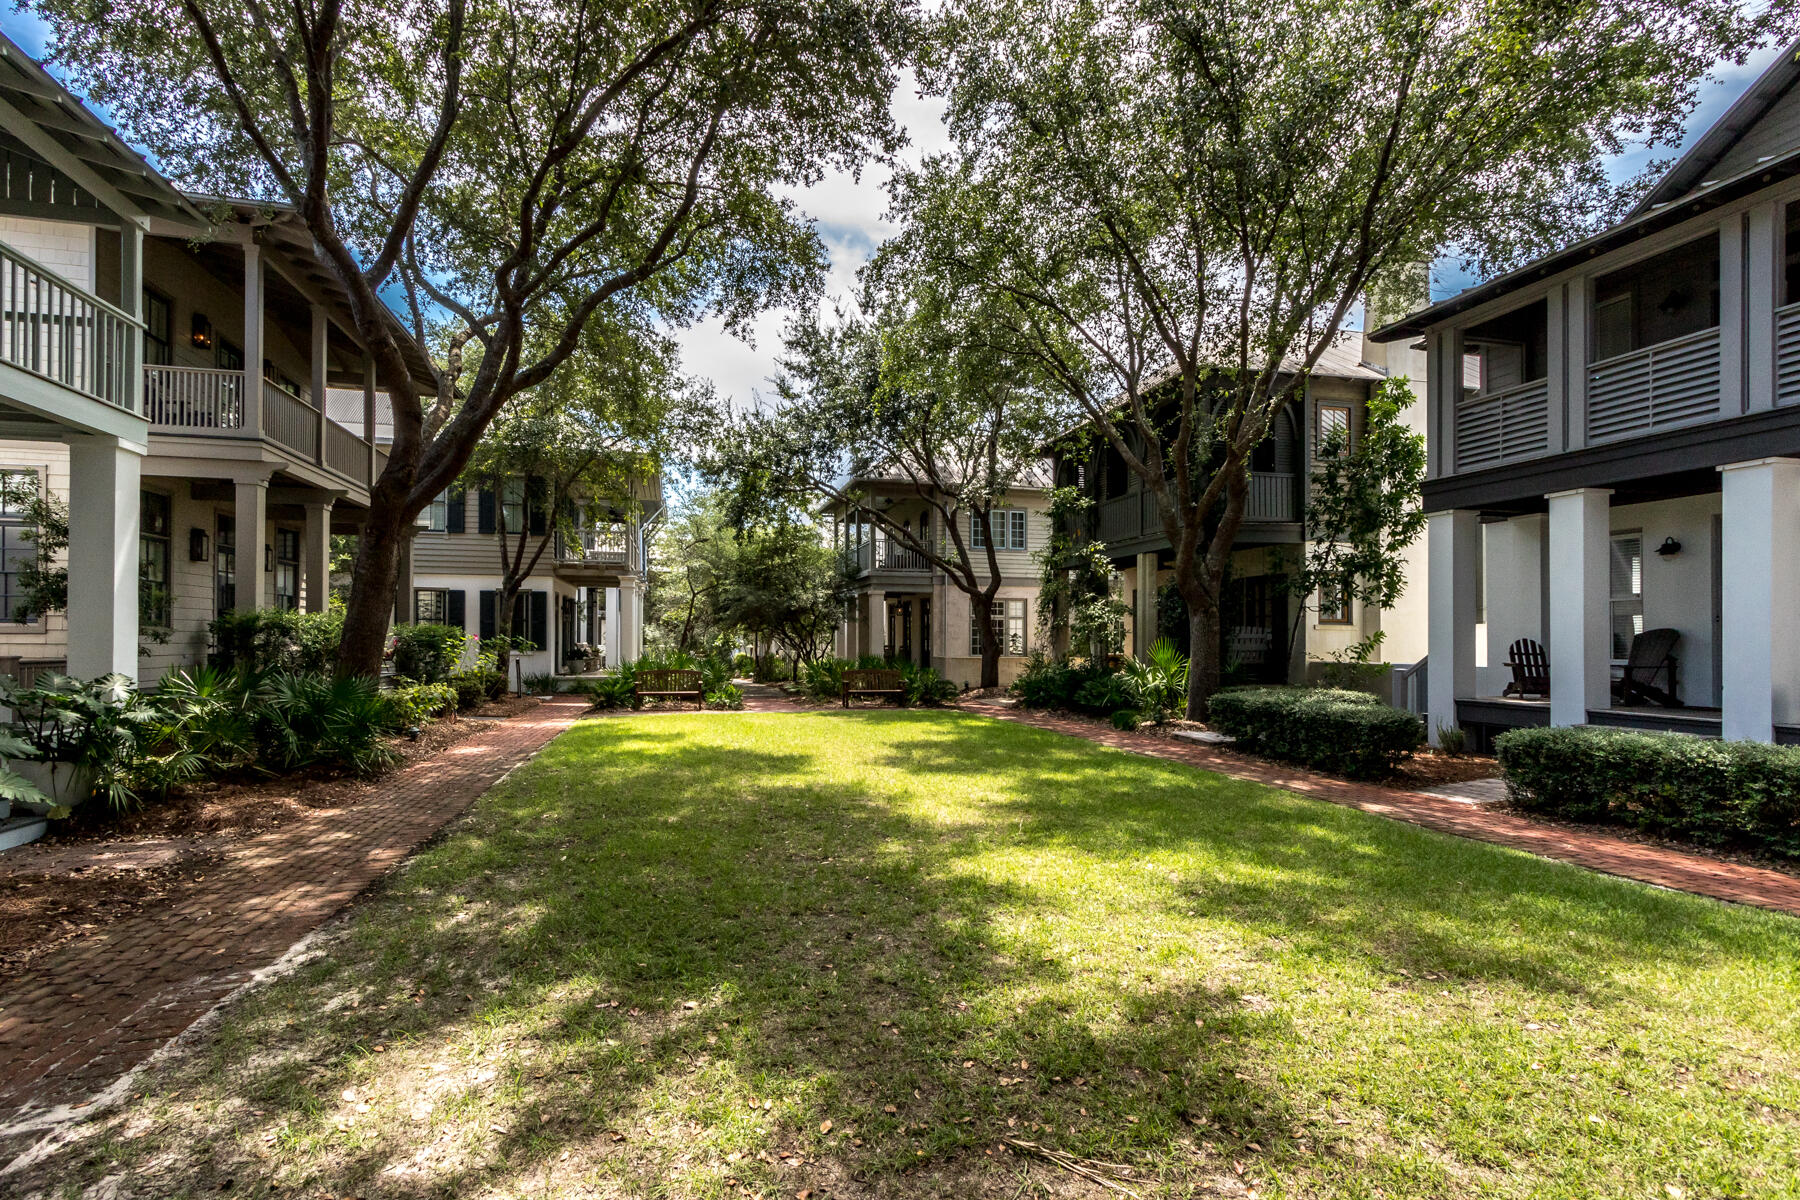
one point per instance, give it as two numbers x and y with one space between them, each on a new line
1687 581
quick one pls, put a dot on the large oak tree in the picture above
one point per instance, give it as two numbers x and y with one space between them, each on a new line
1181 203
501 170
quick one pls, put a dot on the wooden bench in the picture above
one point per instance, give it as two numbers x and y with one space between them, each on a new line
673 685
862 681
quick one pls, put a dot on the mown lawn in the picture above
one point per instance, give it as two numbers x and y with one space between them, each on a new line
845 954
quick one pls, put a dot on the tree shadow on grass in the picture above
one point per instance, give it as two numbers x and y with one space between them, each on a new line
669 942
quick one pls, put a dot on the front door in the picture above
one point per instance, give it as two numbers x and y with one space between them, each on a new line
925 632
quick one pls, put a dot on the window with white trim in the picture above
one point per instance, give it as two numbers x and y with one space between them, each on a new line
431 606
18 540
1008 619
437 513
1332 419
1009 529
1627 586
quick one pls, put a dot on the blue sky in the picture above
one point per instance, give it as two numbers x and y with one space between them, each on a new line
848 211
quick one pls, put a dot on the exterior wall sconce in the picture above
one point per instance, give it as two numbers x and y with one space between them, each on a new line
268 557
202 332
1669 548
199 545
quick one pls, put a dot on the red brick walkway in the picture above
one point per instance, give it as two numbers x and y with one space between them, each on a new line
1596 851
102 1005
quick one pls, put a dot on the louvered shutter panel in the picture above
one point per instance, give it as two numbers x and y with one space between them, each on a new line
456 608
487 615
484 511
456 511
540 620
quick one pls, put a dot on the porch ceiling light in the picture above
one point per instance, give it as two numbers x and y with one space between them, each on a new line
1669 548
202 332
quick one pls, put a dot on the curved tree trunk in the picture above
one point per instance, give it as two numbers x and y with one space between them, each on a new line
981 607
373 576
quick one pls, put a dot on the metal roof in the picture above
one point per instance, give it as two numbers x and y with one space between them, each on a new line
51 122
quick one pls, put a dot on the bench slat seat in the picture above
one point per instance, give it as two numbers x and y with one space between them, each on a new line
866 681
675 684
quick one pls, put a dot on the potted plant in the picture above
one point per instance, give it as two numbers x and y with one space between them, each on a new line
82 738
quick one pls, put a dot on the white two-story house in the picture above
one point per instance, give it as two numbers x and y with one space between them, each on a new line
167 359
1614 480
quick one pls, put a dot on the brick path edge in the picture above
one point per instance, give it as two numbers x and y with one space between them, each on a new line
98 1008
1660 866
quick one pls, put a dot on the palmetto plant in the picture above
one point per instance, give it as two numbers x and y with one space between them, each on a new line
1161 683
312 719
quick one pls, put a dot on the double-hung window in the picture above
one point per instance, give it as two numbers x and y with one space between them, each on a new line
1627 575
512 505
1334 605
159 341
437 513
225 565
431 606
18 544
154 604
1009 529
287 569
1008 625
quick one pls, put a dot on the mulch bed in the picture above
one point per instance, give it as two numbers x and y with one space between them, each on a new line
98 866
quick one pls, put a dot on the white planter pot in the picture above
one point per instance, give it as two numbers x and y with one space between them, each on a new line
66 784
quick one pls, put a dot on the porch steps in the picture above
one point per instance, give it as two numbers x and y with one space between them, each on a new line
18 831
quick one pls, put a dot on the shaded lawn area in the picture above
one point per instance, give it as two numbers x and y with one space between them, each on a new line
666 953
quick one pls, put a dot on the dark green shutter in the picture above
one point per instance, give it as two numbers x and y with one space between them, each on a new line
456 609
487 615
456 510
540 620
484 511
537 504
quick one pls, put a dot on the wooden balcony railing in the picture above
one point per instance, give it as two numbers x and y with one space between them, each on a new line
1671 383
66 334
884 554
208 402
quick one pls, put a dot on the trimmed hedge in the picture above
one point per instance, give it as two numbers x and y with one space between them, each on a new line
1666 783
1339 732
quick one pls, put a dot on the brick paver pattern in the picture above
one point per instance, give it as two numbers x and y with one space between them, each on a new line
102 1005
1641 861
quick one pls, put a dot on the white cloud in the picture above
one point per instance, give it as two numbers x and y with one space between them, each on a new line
848 211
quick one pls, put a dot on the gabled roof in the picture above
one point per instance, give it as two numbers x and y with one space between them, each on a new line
55 126
1695 167
1707 176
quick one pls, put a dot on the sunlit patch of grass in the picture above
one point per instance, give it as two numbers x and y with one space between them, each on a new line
659 959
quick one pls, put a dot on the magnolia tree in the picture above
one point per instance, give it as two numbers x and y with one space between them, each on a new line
924 399
1176 206
502 173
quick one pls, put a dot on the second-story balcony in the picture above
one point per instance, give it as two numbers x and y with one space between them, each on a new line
204 402
885 554
1274 497
608 549
64 334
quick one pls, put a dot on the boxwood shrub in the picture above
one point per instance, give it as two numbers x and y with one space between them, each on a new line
1673 784
1339 732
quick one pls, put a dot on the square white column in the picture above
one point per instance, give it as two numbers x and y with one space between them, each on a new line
315 556
251 506
1143 618
631 619
609 634
1453 539
103 557
1760 648
1580 649
874 624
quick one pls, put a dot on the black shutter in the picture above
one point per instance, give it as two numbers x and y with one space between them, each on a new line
487 615
484 511
540 620
456 608
456 510
537 500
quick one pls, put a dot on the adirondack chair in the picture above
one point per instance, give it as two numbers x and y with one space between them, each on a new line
1530 670
1652 654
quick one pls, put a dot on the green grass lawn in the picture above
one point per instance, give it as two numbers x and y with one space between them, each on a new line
845 954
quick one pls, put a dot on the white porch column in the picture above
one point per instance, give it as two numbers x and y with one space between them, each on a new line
609 634
251 505
131 299
1453 539
315 556
1580 649
369 413
873 611
631 618
103 557
1760 649
321 347
253 344
403 581
1143 616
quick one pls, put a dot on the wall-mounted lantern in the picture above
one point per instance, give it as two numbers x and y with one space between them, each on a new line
199 545
1669 548
202 332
